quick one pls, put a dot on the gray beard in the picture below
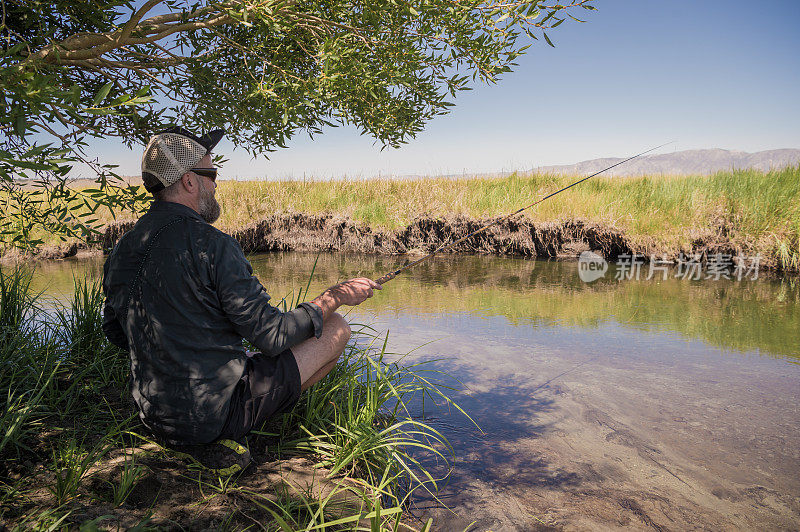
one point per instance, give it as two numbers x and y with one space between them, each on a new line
209 208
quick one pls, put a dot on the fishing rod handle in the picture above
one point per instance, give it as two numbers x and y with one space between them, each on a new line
388 277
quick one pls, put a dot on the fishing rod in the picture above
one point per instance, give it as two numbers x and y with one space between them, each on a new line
391 275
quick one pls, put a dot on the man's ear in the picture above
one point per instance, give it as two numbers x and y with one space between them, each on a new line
189 182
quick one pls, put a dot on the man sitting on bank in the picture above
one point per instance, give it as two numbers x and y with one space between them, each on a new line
181 296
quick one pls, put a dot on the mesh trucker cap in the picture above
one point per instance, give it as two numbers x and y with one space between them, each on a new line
172 153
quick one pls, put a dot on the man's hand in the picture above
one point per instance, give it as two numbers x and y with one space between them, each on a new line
352 292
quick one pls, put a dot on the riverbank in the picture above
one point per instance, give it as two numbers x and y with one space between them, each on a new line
746 212
73 453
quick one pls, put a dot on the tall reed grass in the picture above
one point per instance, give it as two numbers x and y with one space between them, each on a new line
758 200
71 440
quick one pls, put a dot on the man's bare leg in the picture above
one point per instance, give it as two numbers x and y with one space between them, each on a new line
316 357
318 376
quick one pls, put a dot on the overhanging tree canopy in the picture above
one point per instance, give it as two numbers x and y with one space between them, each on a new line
264 70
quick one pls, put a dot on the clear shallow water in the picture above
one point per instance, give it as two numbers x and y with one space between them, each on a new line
620 403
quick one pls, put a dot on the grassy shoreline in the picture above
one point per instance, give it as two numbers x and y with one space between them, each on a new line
74 454
749 211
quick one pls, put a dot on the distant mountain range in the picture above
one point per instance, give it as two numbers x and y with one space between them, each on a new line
682 162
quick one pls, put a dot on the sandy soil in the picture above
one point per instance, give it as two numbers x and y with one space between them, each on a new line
171 495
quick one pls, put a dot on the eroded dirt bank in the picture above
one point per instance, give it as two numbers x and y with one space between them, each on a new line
511 237
518 237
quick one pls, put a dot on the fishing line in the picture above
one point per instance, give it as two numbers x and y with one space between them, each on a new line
391 275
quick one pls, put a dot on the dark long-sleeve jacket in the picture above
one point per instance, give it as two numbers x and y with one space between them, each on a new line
180 296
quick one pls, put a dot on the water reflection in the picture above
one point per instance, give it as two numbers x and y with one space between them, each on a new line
762 315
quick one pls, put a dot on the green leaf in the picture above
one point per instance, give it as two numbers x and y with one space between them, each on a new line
102 93
14 50
99 112
20 124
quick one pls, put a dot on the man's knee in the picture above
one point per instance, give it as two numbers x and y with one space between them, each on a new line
340 330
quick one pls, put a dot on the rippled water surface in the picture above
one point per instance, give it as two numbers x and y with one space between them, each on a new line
662 403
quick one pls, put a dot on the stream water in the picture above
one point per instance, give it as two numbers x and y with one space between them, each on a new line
662 403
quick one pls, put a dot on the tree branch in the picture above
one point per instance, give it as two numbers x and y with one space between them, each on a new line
134 20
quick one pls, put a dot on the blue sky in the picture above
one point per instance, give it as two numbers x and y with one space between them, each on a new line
638 73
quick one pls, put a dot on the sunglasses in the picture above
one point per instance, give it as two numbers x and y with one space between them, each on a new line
210 173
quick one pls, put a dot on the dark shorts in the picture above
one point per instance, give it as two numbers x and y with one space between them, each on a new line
269 386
